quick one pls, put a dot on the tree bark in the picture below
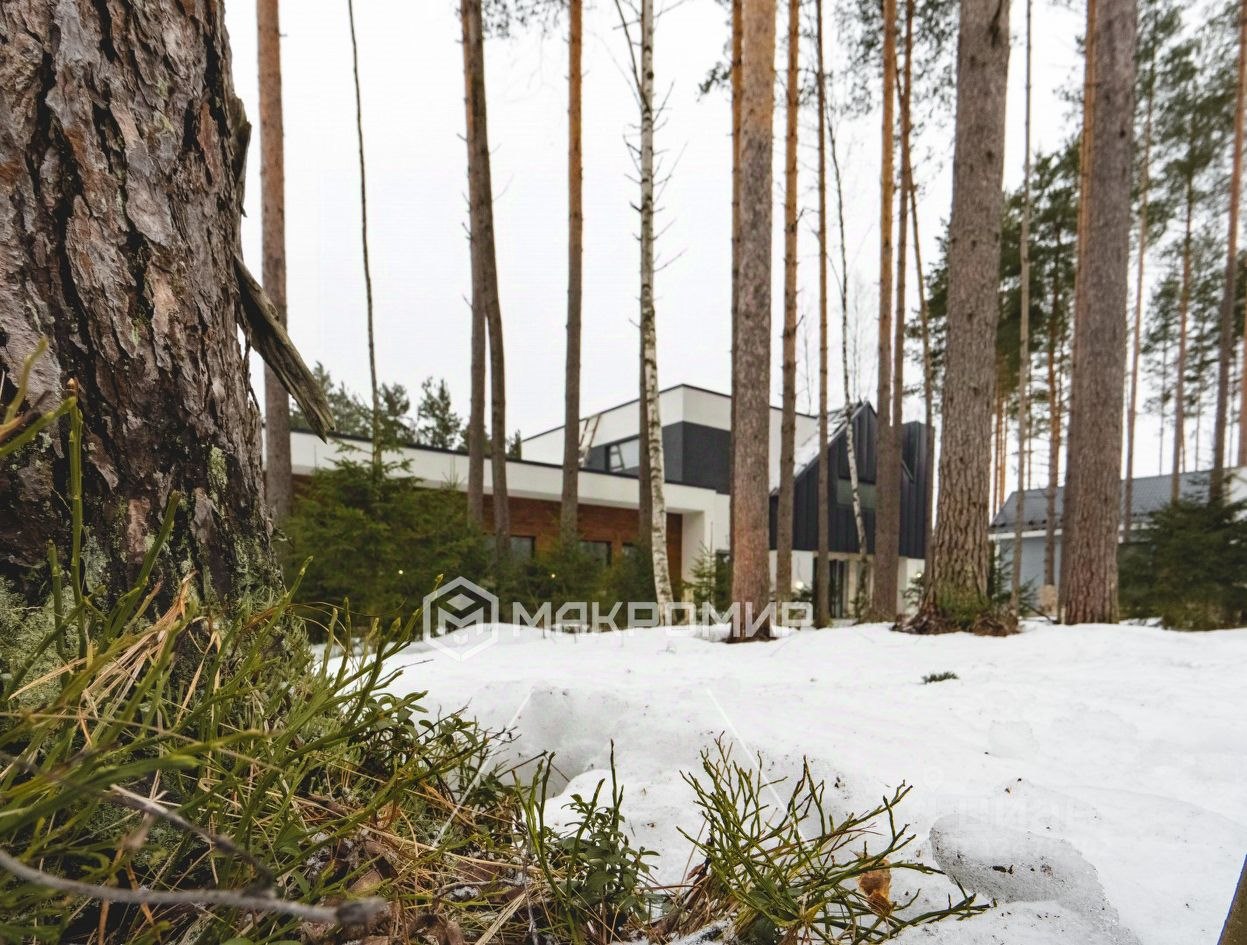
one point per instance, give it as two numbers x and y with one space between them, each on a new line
123 148
788 425
1225 353
1054 432
278 485
568 525
1093 507
962 551
1024 345
649 337
1132 409
928 384
737 69
485 304
888 465
822 571
751 362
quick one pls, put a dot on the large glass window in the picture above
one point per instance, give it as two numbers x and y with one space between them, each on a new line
523 547
844 493
624 457
599 550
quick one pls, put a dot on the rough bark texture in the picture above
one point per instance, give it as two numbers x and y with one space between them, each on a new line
485 305
1226 345
1234 932
122 148
788 425
649 335
575 253
277 477
822 573
1092 510
888 471
1024 341
958 583
737 37
751 361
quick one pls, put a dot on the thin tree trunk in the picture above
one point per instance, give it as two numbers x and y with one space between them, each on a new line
1093 508
822 575
902 263
751 362
1132 410
788 425
850 445
568 526
649 341
1054 431
123 252
484 264
888 464
363 225
1024 346
928 385
959 581
1179 397
737 70
1225 354
278 485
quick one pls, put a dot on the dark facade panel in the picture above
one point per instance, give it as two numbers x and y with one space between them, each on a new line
693 454
843 526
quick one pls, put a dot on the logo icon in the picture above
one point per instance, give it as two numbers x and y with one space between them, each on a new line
463 606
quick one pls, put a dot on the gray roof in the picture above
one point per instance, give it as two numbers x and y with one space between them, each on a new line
1150 493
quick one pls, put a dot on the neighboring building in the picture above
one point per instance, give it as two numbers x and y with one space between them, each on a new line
696 443
1150 493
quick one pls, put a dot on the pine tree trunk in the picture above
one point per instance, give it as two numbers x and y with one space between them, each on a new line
1179 395
928 384
1225 352
122 148
1054 437
751 361
888 464
736 71
961 554
485 304
649 340
375 417
278 486
822 570
788 426
568 526
1132 410
1093 497
902 263
1024 349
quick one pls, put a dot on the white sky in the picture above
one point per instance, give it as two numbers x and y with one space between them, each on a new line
413 117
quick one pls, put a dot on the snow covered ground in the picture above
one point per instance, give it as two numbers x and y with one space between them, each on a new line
1091 780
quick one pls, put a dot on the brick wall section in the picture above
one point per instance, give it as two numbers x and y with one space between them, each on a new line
539 519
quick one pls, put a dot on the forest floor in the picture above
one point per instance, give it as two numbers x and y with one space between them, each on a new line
1091 780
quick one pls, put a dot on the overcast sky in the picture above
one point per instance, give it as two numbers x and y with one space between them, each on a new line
412 81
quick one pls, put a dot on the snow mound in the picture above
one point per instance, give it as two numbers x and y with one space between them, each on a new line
1014 866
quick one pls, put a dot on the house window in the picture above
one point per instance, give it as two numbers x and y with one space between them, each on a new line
600 551
523 547
844 493
623 457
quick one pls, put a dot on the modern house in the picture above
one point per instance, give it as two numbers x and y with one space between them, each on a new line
696 443
1150 493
